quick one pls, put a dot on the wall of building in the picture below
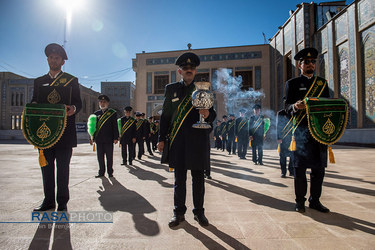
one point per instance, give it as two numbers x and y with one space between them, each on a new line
121 95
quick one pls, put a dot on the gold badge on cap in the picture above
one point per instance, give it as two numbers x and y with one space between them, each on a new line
308 54
188 60
174 94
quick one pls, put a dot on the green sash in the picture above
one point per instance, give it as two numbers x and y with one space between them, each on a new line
242 123
139 123
231 124
126 126
103 118
224 130
327 118
62 80
315 90
182 111
257 123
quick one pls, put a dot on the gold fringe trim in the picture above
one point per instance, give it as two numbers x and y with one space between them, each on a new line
278 149
250 143
331 156
93 147
42 159
293 144
171 169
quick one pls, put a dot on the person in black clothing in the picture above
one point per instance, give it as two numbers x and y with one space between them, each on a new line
241 131
154 134
231 144
224 132
106 134
309 152
256 133
217 134
148 123
127 136
140 135
189 148
284 139
61 152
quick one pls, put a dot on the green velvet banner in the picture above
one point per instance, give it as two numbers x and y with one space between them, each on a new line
327 118
43 124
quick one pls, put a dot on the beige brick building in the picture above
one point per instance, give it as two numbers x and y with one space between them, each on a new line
155 70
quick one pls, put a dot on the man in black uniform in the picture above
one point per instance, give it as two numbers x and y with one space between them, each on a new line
241 131
256 133
127 136
62 150
231 143
154 134
189 147
224 132
309 152
284 139
105 135
148 125
140 135
217 134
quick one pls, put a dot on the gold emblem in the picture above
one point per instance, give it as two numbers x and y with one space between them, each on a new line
188 60
320 83
308 54
62 80
53 97
328 127
43 132
174 94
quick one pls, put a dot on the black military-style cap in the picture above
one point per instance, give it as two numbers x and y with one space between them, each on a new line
150 117
128 108
257 106
225 116
218 121
243 111
57 49
103 97
143 114
306 53
138 113
231 115
188 58
156 121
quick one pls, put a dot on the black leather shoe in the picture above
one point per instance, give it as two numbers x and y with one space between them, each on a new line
318 206
300 207
110 175
44 207
283 176
209 177
260 163
62 208
176 220
130 163
291 174
202 220
99 176
124 163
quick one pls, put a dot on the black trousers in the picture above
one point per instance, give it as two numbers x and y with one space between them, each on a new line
283 159
218 143
125 148
300 184
232 145
62 157
141 148
180 191
259 148
242 147
148 144
107 150
223 143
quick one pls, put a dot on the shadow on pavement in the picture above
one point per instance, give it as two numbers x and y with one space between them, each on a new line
207 241
143 174
42 236
116 197
257 198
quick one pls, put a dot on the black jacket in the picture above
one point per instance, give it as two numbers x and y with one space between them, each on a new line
69 138
109 131
256 129
191 146
310 153
130 133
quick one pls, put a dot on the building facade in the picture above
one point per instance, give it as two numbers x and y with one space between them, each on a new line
17 90
121 94
157 69
345 37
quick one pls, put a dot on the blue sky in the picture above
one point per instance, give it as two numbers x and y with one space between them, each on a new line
105 35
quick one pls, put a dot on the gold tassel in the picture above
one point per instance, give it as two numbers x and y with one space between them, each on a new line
293 144
42 159
236 139
119 145
35 147
93 147
331 156
250 143
171 169
214 138
278 149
